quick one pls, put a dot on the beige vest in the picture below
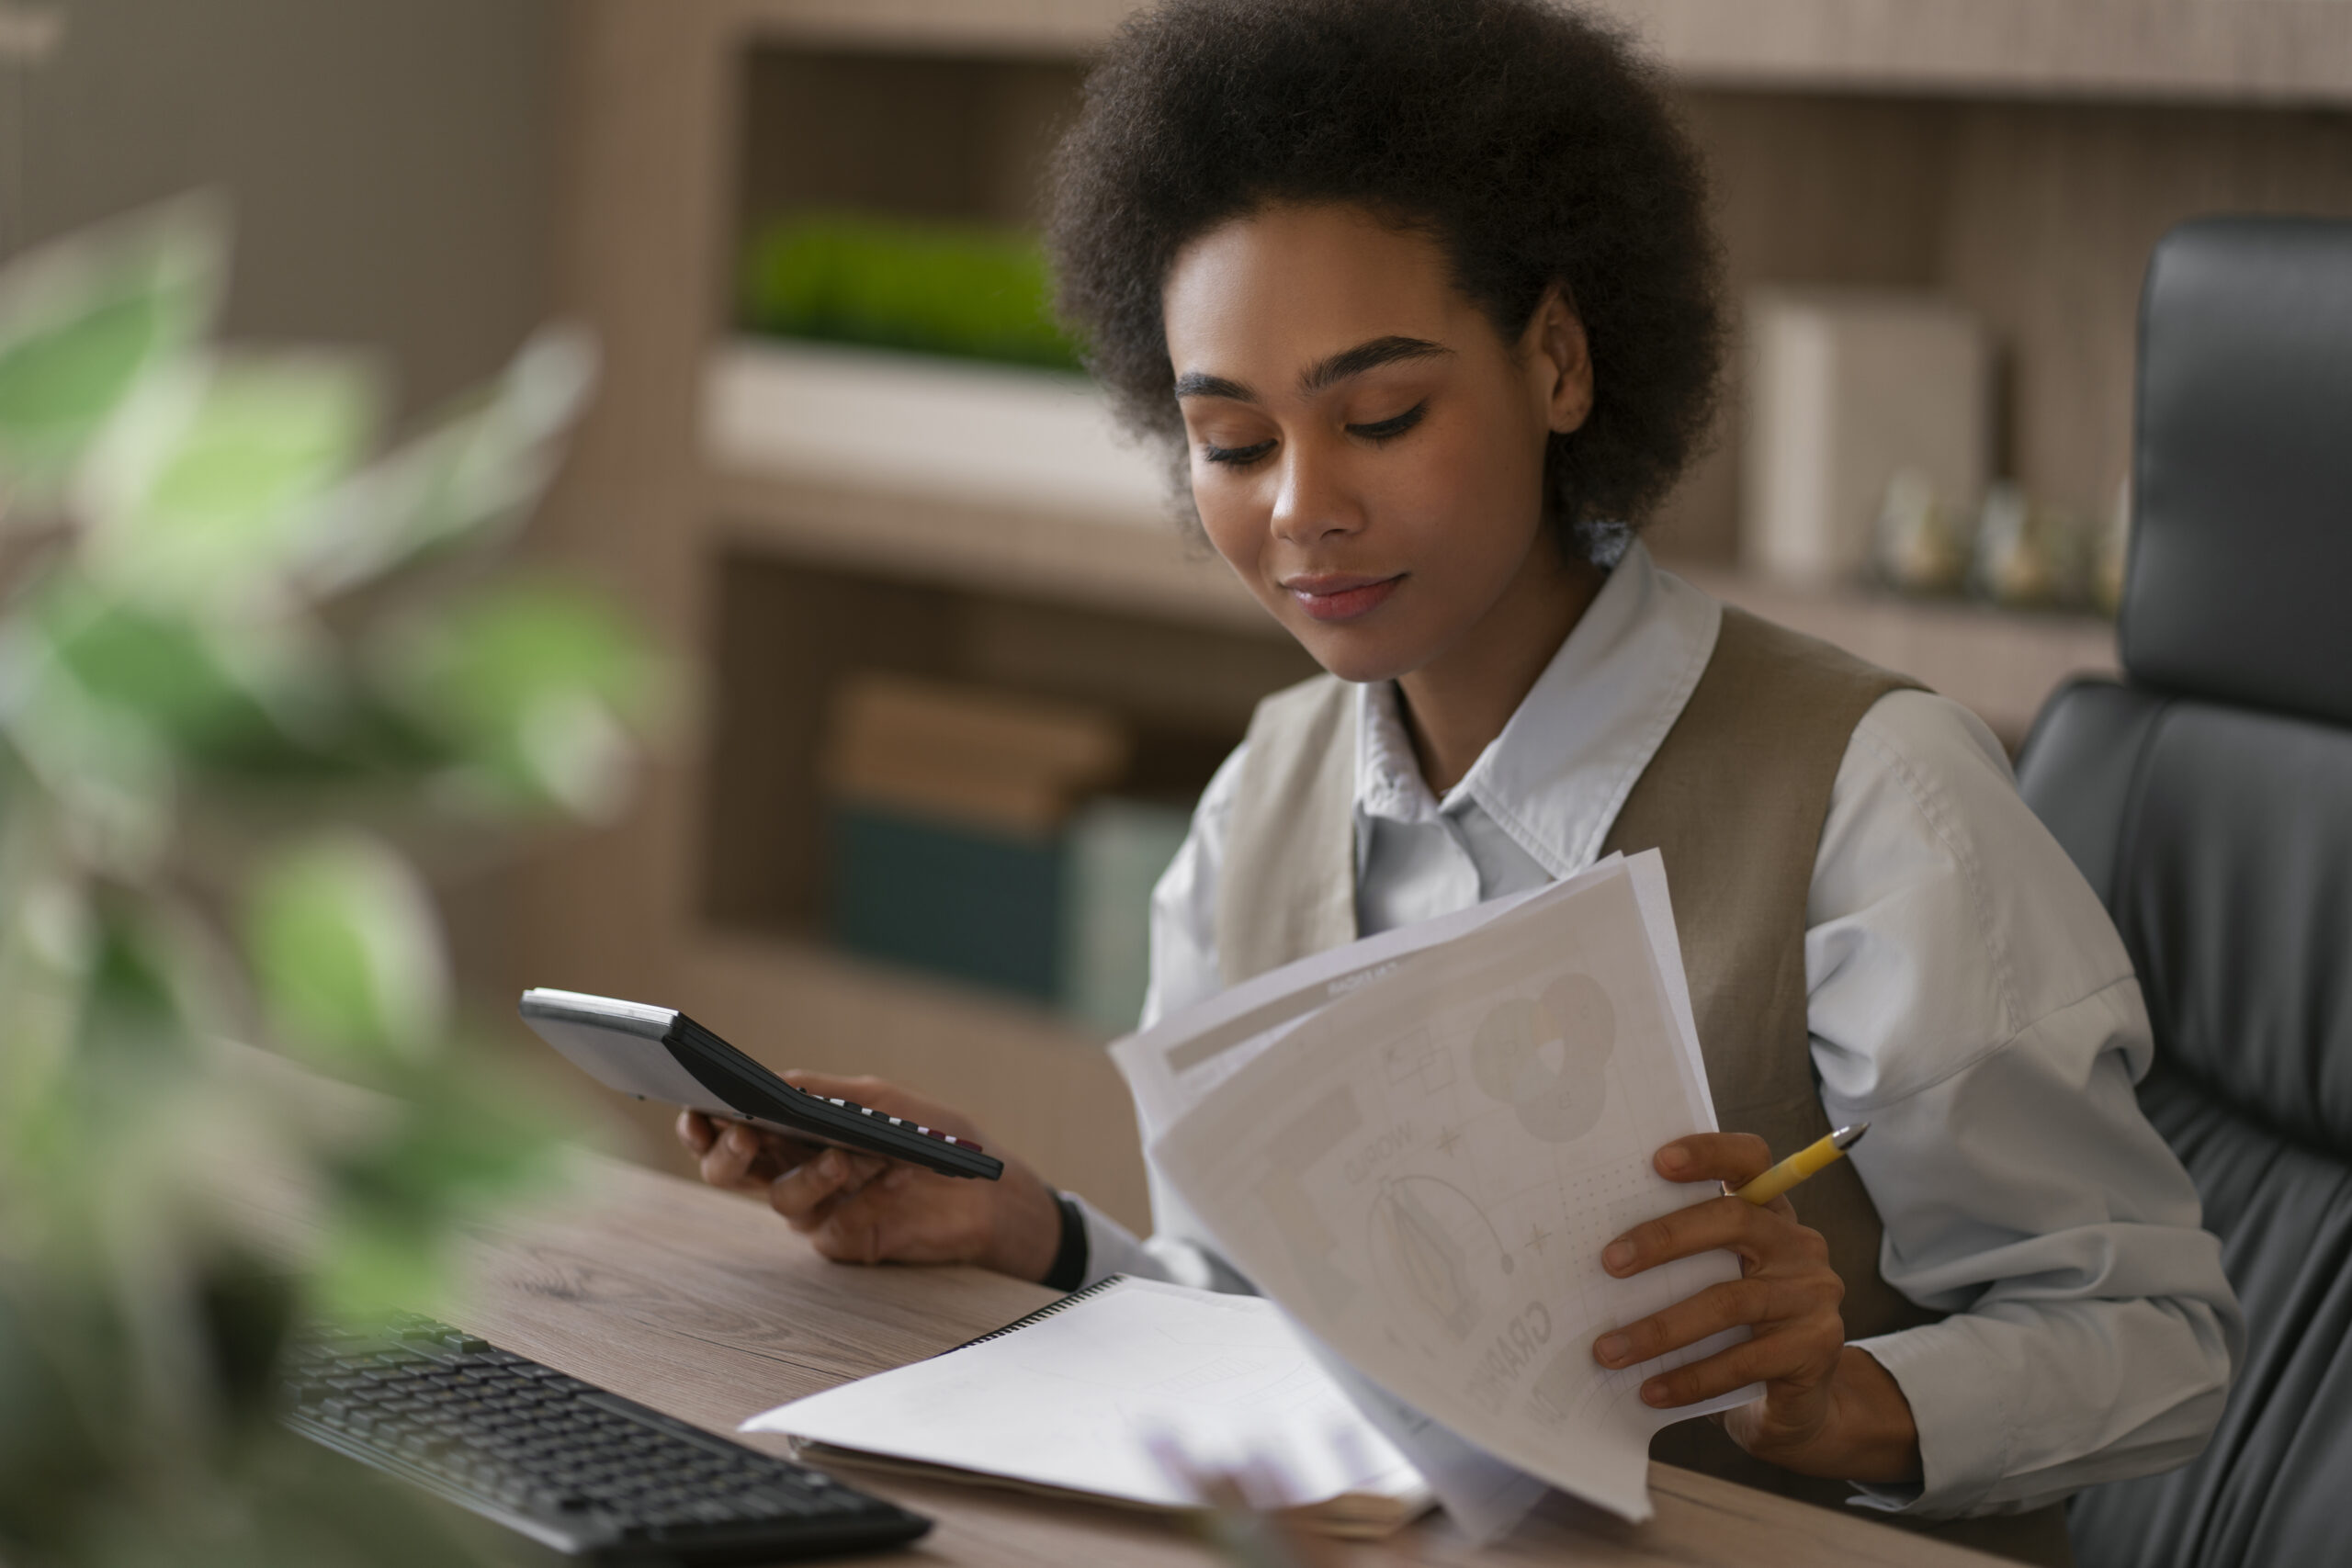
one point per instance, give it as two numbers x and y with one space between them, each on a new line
1734 802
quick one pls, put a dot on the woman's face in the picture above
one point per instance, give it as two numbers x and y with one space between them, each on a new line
1367 451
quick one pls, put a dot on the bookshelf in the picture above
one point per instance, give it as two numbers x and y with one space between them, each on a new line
2261 50
783 514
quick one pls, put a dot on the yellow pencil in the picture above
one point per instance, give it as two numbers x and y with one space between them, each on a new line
1802 1164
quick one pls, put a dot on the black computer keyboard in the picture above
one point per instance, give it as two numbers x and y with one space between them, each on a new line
586 1473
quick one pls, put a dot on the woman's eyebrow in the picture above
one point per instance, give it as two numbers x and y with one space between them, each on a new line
1321 375
1200 384
1366 356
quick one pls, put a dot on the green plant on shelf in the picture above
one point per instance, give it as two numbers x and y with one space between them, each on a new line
250 680
961 290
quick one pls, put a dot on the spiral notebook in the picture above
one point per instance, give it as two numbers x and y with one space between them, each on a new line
1075 1399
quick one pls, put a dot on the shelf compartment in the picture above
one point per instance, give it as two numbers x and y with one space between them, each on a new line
886 125
786 635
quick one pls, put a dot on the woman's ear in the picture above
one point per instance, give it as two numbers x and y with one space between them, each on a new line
1559 363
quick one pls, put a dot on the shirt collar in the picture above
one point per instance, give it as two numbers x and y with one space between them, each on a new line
1555 776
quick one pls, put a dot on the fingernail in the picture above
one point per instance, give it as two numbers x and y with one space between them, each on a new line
1617 1255
1613 1349
1654 1391
739 1138
1673 1158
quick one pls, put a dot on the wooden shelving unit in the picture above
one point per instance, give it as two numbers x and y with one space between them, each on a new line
2238 51
2271 51
783 514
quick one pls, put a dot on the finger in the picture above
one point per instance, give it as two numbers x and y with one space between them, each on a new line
1736 1158
695 1130
728 1161
856 1172
854 1231
1761 1236
799 1193
1734 1303
1801 1355
864 1168
779 1152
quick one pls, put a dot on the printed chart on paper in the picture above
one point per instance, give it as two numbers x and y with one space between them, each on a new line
1424 1173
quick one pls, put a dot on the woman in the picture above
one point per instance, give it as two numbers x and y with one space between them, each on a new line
1426 297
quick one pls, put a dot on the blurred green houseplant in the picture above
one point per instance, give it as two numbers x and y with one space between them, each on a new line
248 670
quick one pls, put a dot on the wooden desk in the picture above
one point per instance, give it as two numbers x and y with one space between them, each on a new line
704 1305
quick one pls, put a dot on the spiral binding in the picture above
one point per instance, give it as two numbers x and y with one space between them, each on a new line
1043 1312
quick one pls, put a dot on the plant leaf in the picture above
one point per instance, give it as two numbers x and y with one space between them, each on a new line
479 470
170 672
199 493
534 686
346 952
82 321
109 772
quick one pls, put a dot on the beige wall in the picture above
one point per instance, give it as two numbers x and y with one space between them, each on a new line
392 168
391 162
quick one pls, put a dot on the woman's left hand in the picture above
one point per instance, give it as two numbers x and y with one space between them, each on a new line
1828 1408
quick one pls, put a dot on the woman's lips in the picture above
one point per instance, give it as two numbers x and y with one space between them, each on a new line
1339 598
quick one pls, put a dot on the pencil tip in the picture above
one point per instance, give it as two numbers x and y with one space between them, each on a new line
1846 1137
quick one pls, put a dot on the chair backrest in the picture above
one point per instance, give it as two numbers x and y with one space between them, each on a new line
2208 798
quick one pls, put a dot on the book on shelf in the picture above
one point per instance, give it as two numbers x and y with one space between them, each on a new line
972 837
995 760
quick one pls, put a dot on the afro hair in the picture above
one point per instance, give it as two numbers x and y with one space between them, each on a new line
1529 141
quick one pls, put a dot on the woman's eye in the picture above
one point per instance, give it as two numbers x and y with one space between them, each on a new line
1389 429
1240 457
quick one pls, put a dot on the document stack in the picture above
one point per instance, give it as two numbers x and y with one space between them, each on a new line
1419 1145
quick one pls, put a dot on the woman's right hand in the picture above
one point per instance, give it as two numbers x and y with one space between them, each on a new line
861 1208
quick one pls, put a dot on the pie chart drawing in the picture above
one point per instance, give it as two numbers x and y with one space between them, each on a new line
1544 1056
1428 1238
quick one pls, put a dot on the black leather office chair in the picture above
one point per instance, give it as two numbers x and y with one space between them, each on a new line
2207 796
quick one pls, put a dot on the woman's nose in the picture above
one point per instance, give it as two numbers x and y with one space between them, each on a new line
1313 499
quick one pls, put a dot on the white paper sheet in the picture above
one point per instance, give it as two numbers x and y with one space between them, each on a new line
1172 1065
1075 1399
1423 1171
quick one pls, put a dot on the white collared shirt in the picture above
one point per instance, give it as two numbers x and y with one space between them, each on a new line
1968 997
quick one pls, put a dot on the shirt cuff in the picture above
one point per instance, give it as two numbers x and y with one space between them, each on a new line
1964 1423
1111 1248
1068 1270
